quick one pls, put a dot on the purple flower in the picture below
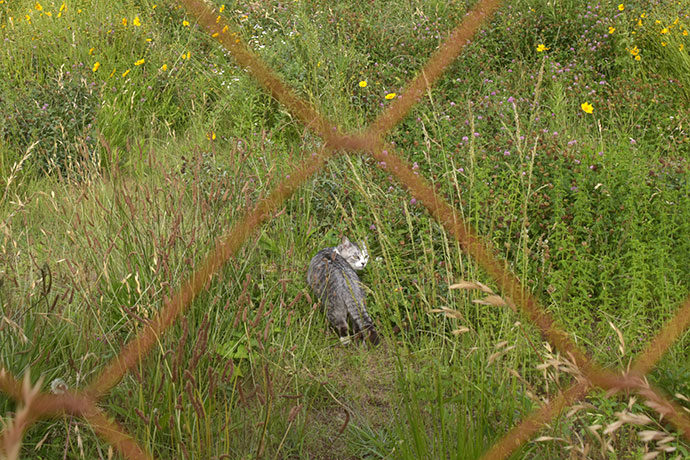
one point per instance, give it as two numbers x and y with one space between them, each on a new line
413 200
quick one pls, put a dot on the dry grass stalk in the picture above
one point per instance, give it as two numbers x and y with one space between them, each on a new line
12 441
621 341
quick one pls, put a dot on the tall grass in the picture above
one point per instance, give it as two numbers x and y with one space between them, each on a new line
119 180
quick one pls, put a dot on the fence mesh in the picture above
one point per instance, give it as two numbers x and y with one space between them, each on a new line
84 404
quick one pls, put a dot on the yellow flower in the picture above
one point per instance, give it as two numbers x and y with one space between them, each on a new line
211 136
664 43
225 29
112 73
185 23
215 34
637 58
140 62
390 96
96 66
124 22
664 30
639 23
48 13
222 8
154 7
186 55
621 7
38 7
149 39
164 67
91 51
680 47
634 51
611 30
587 107
62 7
217 19
136 21
643 15
126 72
362 84
685 32
541 48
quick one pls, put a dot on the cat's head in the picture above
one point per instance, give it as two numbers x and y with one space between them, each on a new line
356 256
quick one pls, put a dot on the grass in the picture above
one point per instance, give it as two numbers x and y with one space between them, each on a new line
119 180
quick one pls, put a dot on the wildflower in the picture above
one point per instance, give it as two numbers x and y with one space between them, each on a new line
634 51
126 72
218 19
390 96
212 136
621 7
140 62
541 48
637 58
185 23
643 15
225 29
685 32
611 30
664 30
362 84
91 51
96 66
680 47
164 67
124 22
222 8
587 107
136 21
186 55
215 34
664 43
58 386
62 7
639 23
112 73
38 7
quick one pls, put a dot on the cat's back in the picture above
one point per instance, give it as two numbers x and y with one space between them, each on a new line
328 268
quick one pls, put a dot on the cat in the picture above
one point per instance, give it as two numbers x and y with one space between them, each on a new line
333 280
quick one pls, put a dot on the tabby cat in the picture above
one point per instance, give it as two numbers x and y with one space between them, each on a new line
332 277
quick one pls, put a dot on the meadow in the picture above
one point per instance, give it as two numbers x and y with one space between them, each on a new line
130 141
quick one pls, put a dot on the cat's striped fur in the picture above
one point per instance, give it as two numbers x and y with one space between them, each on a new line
333 280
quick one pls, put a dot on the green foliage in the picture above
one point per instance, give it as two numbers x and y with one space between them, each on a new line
590 210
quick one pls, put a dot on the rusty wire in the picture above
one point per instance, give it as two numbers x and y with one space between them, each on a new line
84 404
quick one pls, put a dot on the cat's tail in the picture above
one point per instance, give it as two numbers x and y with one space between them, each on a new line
365 326
373 336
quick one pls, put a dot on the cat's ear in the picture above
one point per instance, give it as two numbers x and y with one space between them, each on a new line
345 241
